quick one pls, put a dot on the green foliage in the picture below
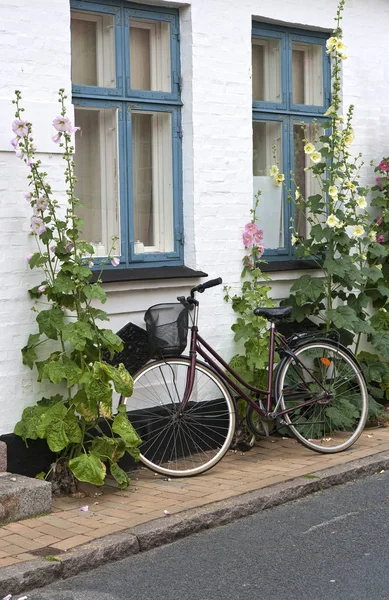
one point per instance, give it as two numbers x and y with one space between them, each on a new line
70 421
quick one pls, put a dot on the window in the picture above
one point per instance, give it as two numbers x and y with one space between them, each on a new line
125 75
291 92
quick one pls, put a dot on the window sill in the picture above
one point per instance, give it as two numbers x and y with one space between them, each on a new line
288 265
145 273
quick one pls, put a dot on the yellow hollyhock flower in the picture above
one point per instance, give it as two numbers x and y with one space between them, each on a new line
309 148
333 191
316 157
273 171
361 201
358 230
332 221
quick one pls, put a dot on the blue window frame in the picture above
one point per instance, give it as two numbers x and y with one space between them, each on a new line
291 87
126 94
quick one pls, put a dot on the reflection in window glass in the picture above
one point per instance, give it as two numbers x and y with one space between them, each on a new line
266 68
152 181
150 55
97 176
93 49
307 73
266 143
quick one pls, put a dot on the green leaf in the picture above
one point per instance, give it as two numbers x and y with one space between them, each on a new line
122 426
71 370
307 289
89 468
343 317
106 448
94 290
63 284
383 290
98 314
87 407
380 321
77 334
53 370
380 343
110 340
50 322
37 260
98 391
121 477
371 273
316 203
378 250
121 378
26 428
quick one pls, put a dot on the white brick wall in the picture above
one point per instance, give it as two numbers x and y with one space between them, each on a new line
217 175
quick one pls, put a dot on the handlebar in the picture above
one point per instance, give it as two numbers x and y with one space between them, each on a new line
199 288
207 284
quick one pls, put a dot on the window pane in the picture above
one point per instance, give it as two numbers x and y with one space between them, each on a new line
307 73
93 49
97 172
152 166
150 55
266 66
267 141
307 184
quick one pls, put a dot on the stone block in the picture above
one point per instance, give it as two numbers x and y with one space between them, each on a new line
3 457
22 497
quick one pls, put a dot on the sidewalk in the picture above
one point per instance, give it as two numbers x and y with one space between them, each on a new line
155 501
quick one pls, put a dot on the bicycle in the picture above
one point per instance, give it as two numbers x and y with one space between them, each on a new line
184 409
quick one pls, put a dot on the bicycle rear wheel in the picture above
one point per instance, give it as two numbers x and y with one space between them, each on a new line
326 392
175 442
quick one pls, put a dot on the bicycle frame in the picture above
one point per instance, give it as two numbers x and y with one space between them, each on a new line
199 346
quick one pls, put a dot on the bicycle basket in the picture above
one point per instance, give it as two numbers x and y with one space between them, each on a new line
167 329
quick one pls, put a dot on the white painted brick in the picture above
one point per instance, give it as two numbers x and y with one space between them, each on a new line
217 154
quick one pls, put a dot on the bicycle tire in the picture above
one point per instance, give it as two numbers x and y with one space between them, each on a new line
180 444
332 424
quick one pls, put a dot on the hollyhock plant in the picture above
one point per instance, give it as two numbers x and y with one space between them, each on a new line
66 315
341 238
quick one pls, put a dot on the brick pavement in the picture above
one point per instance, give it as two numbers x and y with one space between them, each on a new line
271 461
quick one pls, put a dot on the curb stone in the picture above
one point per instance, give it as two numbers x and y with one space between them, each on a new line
23 577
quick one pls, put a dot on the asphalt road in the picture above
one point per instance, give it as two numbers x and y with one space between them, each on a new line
329 546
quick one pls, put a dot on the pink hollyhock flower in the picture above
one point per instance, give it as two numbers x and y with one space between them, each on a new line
29 257
380 239
69 247
378 220
41 203
28 197
30 162
37 225
115 261
384 165
248 239
56 138
15 143
62 124
251 228
260 249
20 127
91 264
19 154
378 182
42 288
52 249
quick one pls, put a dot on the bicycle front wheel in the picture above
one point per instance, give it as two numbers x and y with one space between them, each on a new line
323 387
180 442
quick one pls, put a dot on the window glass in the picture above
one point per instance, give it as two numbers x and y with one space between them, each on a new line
307 184
307 73
96 158
267 150
266 68
93 49
150 55
152 181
